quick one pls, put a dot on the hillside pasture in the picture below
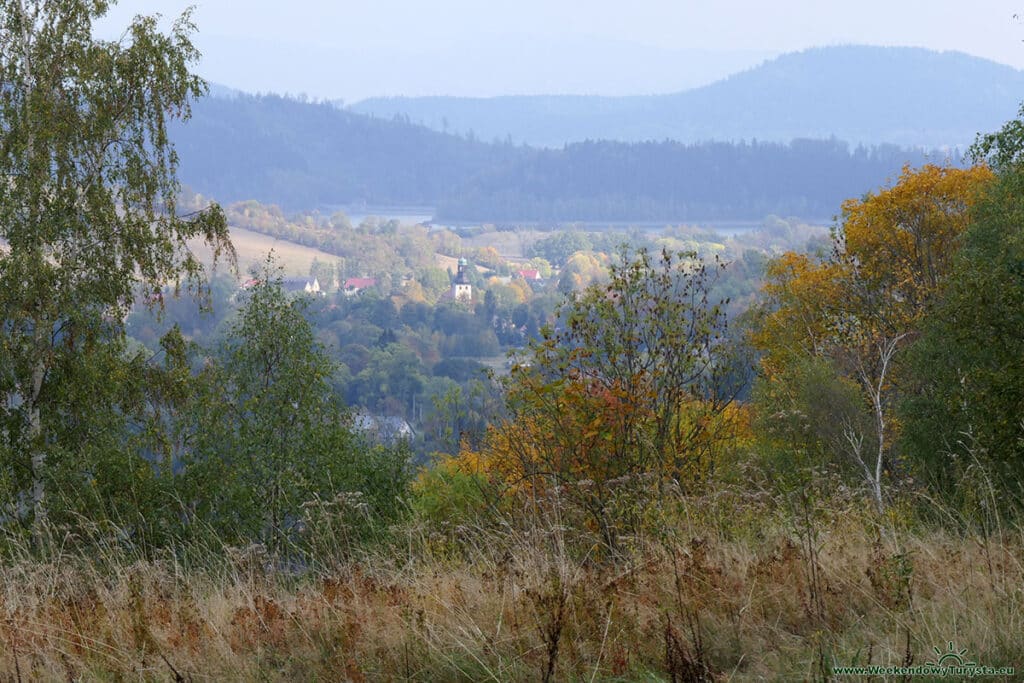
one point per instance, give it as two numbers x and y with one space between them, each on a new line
252 247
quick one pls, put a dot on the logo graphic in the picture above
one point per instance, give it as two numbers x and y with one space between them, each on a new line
951 657
949 663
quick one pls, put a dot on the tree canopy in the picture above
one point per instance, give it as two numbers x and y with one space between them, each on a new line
87 211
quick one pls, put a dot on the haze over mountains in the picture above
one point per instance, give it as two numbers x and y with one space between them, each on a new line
654 161
861 94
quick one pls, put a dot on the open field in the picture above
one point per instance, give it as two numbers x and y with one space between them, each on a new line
446 262
252 248
730 595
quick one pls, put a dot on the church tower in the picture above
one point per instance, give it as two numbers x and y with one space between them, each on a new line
461 289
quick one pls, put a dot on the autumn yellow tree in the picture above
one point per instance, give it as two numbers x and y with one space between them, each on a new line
801 291
856 309
902 239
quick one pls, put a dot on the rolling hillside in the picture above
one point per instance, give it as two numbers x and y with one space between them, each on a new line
252 248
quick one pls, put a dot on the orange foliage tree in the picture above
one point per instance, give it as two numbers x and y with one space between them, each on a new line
628 392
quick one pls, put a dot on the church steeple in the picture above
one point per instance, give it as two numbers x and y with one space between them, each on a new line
461 289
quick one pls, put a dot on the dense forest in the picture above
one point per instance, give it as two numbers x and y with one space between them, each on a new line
301 155
784 455
668 181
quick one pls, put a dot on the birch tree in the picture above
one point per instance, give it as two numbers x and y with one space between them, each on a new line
87 209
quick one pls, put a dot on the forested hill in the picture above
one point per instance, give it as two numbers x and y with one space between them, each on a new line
670 181
304 155
300 154
870 95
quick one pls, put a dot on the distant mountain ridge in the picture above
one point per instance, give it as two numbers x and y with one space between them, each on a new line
862 94
303 155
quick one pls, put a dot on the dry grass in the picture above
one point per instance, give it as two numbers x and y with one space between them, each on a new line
761 601
252 247
446 262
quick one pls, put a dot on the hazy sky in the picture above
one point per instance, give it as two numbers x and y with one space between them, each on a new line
352 50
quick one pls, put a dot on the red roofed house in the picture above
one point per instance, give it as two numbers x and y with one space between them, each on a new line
529 274
354 285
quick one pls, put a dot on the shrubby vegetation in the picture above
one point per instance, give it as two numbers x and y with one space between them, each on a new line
627 390
963 421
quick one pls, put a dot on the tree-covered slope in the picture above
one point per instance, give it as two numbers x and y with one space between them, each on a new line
302 154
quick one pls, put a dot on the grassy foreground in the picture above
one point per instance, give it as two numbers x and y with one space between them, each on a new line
734 592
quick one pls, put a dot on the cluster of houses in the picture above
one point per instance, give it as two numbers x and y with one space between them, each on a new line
461 288
304 285
528 274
